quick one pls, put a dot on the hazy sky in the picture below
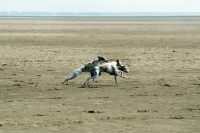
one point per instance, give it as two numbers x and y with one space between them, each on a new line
101 5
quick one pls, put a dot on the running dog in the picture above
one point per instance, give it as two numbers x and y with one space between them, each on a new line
85 68
113 68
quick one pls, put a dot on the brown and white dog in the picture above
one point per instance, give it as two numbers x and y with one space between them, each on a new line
85 68
113 68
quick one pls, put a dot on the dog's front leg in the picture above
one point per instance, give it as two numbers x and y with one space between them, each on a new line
87 81
119 73
123 76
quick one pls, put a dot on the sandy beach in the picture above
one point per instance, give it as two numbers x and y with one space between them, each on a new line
161 96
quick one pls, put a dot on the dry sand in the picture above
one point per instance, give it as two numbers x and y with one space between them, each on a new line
161 96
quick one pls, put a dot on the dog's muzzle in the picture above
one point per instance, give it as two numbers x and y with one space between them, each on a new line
127 70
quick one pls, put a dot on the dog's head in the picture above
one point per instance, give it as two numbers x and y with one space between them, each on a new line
102 59
122 67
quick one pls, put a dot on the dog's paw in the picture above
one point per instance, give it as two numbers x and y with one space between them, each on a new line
64 83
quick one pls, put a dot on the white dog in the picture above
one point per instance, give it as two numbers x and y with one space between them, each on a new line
85 68
113 68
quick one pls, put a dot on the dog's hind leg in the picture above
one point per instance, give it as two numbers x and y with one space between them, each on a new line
116 81
66 80
70 77
74 74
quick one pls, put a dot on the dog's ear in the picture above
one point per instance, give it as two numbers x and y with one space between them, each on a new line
99 56
117 62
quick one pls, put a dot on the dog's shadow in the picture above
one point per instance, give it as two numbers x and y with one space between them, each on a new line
97 86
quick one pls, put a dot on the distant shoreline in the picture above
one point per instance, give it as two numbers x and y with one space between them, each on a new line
99 16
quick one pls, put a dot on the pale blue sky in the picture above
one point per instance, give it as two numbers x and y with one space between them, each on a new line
101 5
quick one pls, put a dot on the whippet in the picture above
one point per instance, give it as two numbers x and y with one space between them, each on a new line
85 68
113 68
